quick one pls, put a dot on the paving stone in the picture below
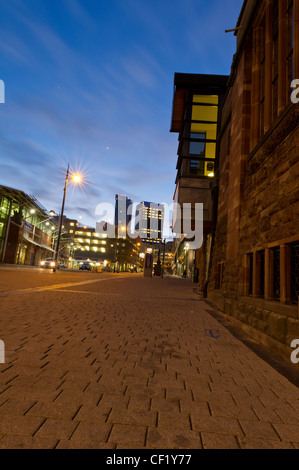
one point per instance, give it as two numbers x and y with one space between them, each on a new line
91 432
287 432
16 407
59 428
81 444
128 434
26 442
162 404
174 419
53 410
219 441
232 411
129 416
20 425
215 424
258 429
256 443
172 438
140 402
198 407
108 400
93 413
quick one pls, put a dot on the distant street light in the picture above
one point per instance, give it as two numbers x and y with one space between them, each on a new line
77 179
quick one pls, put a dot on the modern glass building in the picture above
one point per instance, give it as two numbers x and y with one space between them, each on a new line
149 222
27 230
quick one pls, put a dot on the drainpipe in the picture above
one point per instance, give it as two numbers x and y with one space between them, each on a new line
214 194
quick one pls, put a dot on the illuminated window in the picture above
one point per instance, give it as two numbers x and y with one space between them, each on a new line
210 99
197 147
203 134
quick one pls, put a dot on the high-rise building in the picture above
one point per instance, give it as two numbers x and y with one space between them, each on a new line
122 216
149 221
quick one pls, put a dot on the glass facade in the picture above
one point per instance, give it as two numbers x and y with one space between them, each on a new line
203 134
26 230
4 214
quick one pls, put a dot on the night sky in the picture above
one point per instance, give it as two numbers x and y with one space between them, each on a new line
90 82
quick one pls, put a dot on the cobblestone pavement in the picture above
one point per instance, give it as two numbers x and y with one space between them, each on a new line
118 361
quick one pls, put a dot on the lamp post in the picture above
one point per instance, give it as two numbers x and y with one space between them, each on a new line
76 179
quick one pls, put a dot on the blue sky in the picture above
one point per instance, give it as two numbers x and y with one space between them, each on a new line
90 82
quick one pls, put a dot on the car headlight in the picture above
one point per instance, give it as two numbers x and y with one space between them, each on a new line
52 264
42 263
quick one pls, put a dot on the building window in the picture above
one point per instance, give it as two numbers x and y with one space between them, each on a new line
250 287
197 147
262 273
294 273
275 61
219 276
262 77
197 167
203 134
289 51
276 273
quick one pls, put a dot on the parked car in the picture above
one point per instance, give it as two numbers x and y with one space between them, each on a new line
85 267
48 263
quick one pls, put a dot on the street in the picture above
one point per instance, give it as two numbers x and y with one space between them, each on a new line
119 361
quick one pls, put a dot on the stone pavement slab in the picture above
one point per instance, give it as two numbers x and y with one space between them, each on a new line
128 362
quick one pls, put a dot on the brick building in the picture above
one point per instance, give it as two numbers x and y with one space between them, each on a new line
249 260
254 277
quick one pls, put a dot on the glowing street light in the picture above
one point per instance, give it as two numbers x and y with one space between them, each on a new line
76 179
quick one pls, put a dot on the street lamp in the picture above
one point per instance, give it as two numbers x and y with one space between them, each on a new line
76 179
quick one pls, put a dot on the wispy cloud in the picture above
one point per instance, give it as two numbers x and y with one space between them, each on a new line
90 83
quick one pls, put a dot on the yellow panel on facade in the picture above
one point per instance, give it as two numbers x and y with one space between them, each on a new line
210 150
204 113
209 129
211 99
